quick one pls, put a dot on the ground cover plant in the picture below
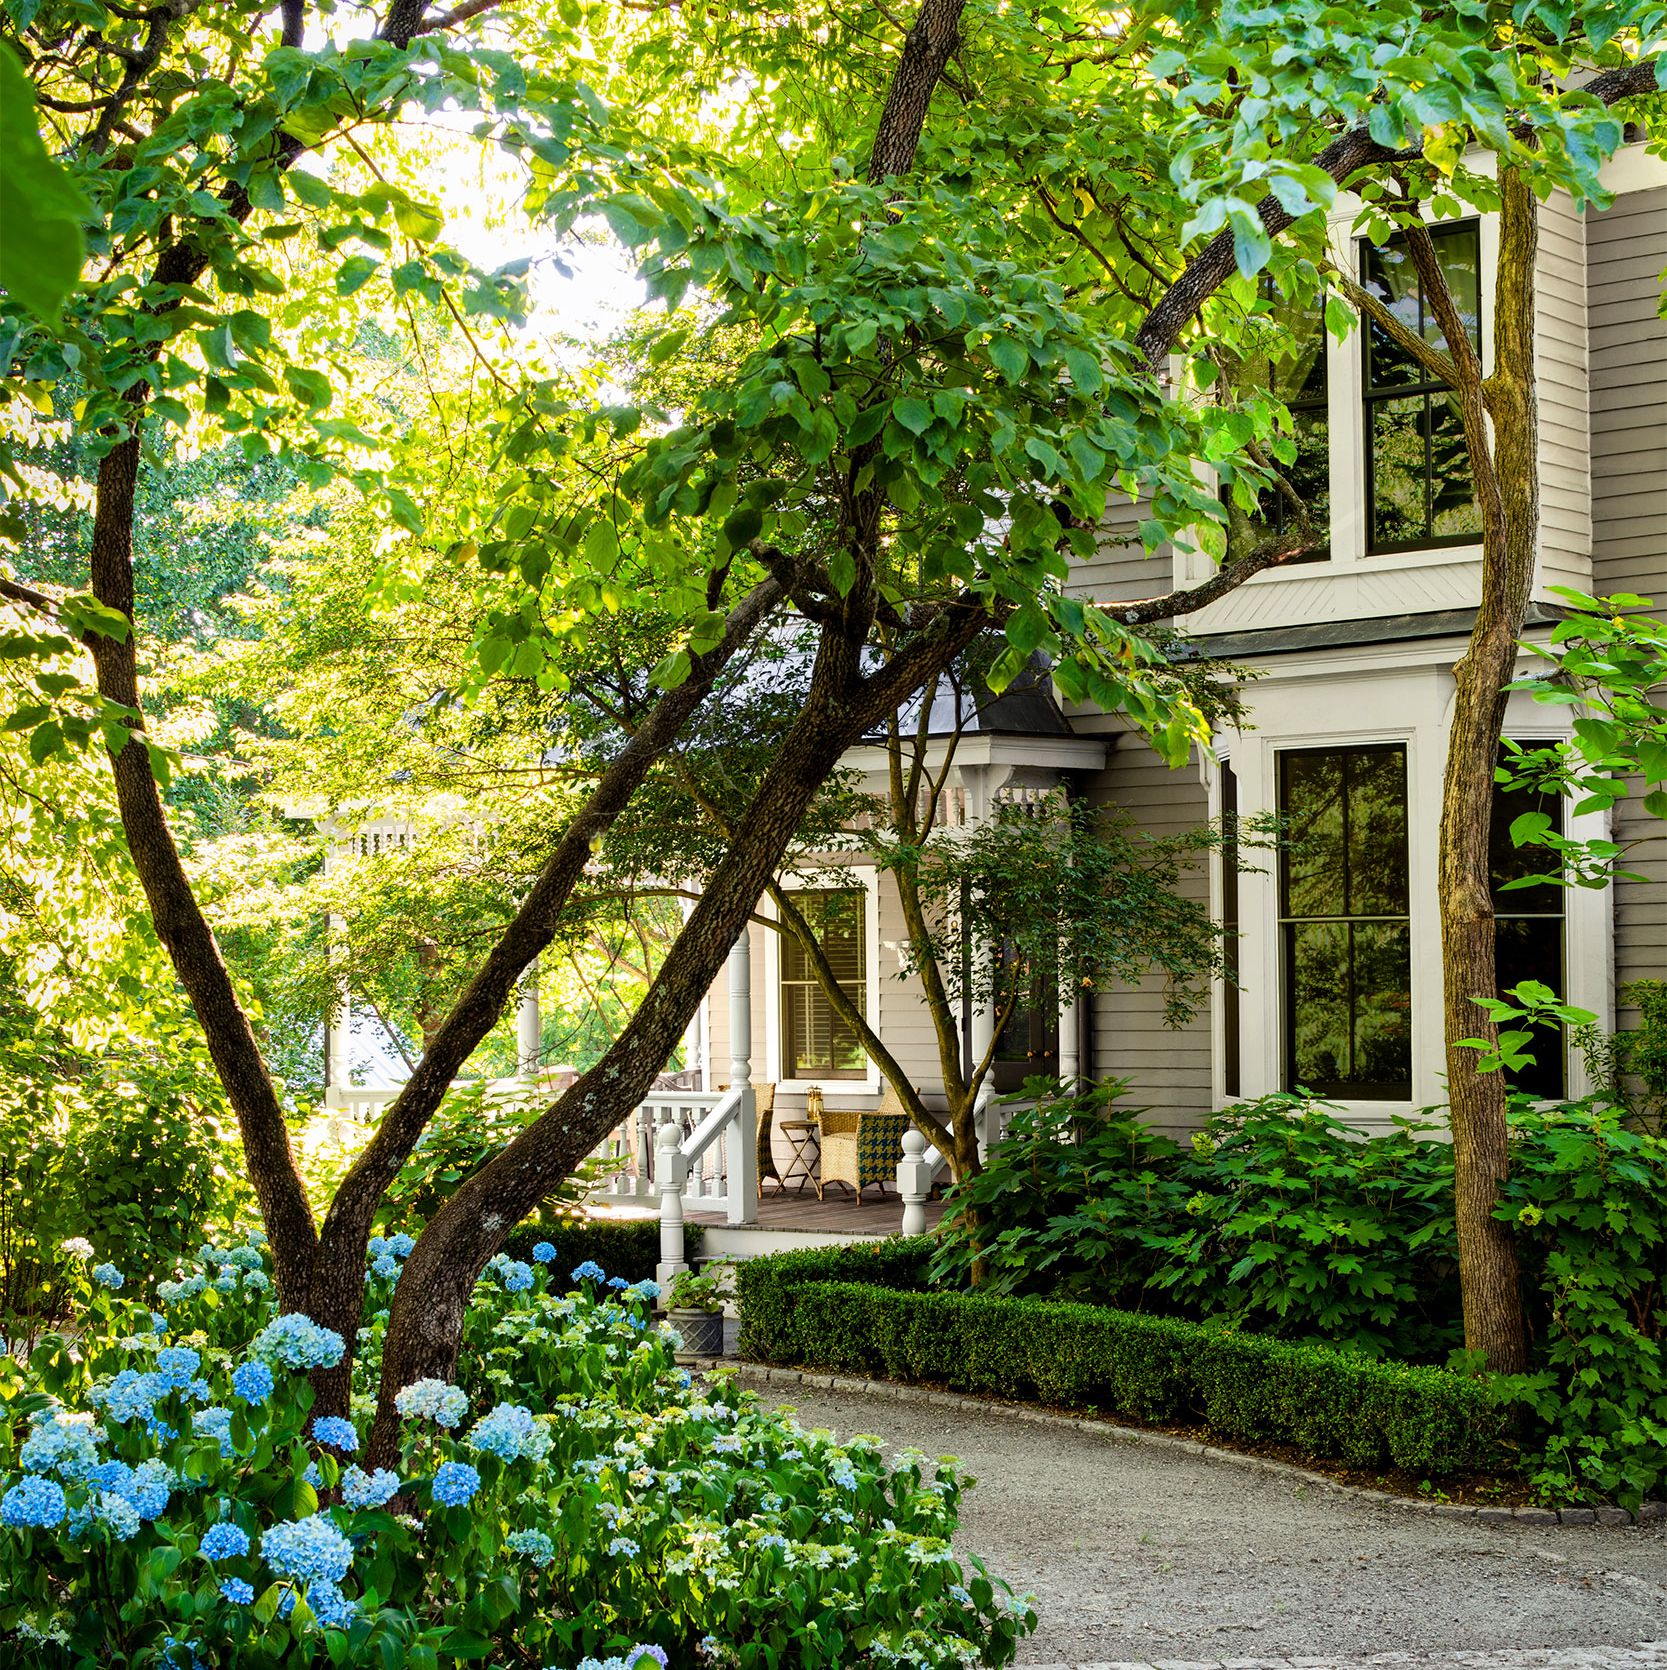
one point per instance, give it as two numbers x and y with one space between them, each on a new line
1280 1220
168 1497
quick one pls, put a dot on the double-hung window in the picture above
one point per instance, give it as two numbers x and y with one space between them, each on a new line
816 1043
1294 368
1419 487
1345 922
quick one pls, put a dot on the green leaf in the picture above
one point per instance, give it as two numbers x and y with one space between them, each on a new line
913 413
354 274
41 207
1009 357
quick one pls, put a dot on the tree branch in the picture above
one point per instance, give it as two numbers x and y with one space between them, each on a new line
1189 599
1438 364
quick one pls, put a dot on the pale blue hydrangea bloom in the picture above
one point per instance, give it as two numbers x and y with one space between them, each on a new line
158 1322
649 1290
119 1514
432 1400
128 1396
215 1422
309 1550
224 1541
330 1606
534 1544
517 1277
376 1245
237 1590
253 1382
177 1292
257 1281
367 1490
385 1265
454 1483
622 1548
511 1433
337 1433
60 1443
297 1341
313 1476
33 1501
107 1275
544 1253
401 1245
590 1270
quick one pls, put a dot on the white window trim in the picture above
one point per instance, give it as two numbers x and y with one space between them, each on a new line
865 877
1589 920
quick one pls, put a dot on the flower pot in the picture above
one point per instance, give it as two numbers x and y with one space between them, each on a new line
702 1332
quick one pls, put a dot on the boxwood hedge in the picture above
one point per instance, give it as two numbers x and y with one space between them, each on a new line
628 1247
862 1309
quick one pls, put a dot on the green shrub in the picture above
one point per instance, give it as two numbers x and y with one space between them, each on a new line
813 1309
1587 1195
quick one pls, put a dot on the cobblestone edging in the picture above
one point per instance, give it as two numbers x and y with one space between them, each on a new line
1647 1655
761 1374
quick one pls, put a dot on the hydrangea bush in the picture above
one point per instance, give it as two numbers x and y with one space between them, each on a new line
575 1501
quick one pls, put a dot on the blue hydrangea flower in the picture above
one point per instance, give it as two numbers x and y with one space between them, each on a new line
454 1483
237 1590
177 1365
313 1476
649 1290
128 1396
330 1606
33 1501
298 1342
337 1433
61 1444
618 1282
590 1270
107 1275
511 1433
310 1550
385 1265
401 1245
253 1382
623 1548
224 1541
119 1514
544 1253
158 1322
376 1246
534 1544
432 1400
368 1490
177 1292
517 1277
257 1281
151 1488
658 1654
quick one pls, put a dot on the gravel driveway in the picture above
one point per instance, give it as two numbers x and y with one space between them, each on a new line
1142 1554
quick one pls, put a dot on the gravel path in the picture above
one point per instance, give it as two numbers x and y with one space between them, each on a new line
1141 1555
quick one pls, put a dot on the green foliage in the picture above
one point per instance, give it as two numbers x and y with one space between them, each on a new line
644 1508
1585 1195
1274 1219
804 1309
1281 1220
702 1289
40 206
628 1247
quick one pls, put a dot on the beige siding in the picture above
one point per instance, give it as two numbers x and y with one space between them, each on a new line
1120 567
1626 250
1560 354
1169 1067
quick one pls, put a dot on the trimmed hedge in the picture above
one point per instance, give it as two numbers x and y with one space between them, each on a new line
628 1247
860 1310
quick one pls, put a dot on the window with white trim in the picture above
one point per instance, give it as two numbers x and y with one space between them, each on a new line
815 1042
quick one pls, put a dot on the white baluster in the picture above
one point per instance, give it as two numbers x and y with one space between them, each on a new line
914 1181
671 1171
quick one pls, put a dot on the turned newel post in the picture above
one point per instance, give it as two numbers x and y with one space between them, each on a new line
671 1172
914 1181
741 1160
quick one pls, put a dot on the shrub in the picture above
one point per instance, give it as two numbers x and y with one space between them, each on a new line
1587 1195
799 1308
628 1247
165 1498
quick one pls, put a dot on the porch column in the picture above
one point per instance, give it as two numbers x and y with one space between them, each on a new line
529 1025
338 1024
980 1035
1070 1038
742 1136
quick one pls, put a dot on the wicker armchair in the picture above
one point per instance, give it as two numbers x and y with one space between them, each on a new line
860 1148
765 1096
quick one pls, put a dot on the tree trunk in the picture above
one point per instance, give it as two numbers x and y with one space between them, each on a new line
1488 1275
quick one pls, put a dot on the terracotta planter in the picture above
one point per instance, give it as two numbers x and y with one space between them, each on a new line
702 1331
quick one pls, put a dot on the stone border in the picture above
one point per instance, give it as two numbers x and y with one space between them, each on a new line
901 1392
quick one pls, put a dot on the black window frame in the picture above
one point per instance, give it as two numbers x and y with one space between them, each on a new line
1423 386
788 984
1397 1091
1027 1044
